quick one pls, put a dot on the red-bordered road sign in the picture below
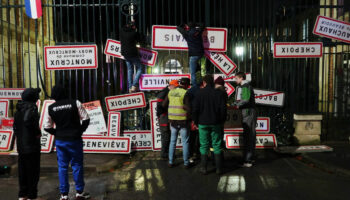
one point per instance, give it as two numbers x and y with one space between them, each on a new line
11 93
159 81
263 141
125 102
221 61
5 140
262 126
118 145
114 124
140 140
297 49
46 138
332 28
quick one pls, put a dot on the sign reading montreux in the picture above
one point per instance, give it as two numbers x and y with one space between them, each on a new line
147 57
159 81
331 28
168 37
126 102
70 57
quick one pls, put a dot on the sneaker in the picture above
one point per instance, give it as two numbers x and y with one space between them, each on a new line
133 89
82 196
247 164
64 197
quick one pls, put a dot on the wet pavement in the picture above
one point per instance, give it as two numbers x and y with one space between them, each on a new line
274 176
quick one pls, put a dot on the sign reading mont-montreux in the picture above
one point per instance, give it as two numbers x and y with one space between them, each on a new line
70 57
332 28
169 38
297 49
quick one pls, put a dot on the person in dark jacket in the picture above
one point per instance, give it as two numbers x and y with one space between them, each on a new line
192 33
245 101
128 39
66 114
27 132
208 113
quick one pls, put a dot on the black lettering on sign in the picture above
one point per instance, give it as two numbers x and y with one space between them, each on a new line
4 137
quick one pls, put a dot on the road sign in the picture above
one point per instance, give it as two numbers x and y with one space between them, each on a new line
4 107
125 102
117 145
5 140
221 61
147 57
263 141
270 98
169 38
332 28
159 81
229 89
11 93
262 126
297 49
232 77
140 140
46 138
114 124
71 57
97 126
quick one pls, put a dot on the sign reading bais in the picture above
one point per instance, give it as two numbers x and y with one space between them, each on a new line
332 28
5 140
140 140
125 102
147 57
263 141
221 61
168 37
11 93
97 124
297 49
120 145
71 57
46 138
159 81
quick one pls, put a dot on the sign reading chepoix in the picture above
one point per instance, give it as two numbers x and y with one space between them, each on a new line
147 57
114 124
71 57
46 138
155 129
126 102
140 140
263 141
5 140
271 98
118 145
4 107
168 37
262 126
332 28
297 49
221 61
232 77
11 93
97 124
159 81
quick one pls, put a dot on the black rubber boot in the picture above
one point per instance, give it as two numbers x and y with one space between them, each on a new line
218 163
203 168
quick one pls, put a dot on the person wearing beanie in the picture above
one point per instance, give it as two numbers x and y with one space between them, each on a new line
66 114
27 132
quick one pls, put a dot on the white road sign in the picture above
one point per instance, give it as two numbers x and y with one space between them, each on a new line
229 89
117 145
11 93
221 61
114 124
262 126
332 28
263 141
4 107
126 102
297 49
232 77
5 140
159 81
271 98
140 140
46 138
97 124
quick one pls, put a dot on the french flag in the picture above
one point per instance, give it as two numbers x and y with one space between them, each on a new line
33 8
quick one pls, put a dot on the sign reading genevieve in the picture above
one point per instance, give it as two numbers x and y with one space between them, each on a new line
11 93
71 57
106 145
159 81
332 28
297 49
126 102
221 61
147 57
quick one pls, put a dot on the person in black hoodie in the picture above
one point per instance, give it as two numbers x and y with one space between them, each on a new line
27 132
209 111
192 33
66 114
128 39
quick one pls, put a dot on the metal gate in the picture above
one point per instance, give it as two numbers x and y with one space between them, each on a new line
311 85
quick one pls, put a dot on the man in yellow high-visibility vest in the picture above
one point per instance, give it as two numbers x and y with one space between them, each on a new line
178 111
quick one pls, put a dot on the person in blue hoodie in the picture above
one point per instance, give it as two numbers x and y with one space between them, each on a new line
66 114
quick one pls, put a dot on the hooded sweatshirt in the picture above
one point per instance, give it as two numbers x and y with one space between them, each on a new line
128 39
194 40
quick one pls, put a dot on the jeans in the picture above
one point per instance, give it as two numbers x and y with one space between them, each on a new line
139 70
193 68
207 132
70 152
185 143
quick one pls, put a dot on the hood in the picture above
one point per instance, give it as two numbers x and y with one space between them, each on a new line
128 29
31 94
58 93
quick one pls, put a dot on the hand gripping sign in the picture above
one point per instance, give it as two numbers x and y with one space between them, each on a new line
297 49
71 57
263 141
221 61
140 140
159 81
125 102
5 140
11 93
262 126
332 28
169 38
117 145
114 124
147 57
46 138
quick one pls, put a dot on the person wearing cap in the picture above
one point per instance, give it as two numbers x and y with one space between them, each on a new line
178 105
162 114
66 114
27 132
